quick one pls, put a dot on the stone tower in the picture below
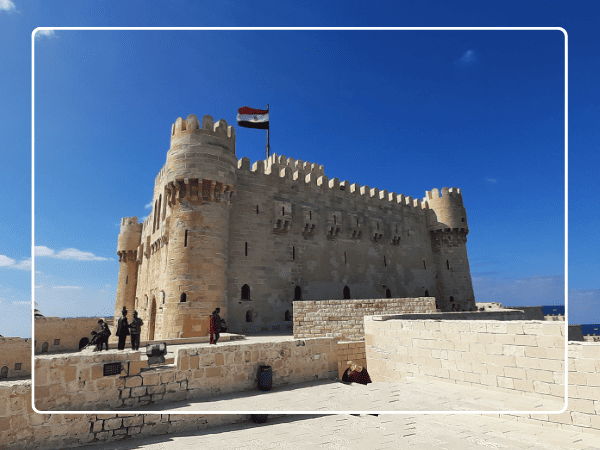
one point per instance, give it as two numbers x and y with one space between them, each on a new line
127 249
448 229
198 181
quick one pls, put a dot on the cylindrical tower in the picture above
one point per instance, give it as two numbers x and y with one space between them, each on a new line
448 229
127 248
199 179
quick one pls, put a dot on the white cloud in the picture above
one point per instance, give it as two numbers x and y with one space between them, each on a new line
7 5
491 180
44 33
6 261
70 253
148 206
67 287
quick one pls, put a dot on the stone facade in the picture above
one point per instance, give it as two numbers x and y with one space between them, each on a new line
77 382
58 334
345 318
15 357
525 356
250 240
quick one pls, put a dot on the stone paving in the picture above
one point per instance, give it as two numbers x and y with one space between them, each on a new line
345 432
411 394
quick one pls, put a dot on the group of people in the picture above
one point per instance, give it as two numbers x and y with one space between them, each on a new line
124 329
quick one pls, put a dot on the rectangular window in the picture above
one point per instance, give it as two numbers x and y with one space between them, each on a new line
256 209
447 265
56 341
17 366
384 262
186 237
126 279
310 215
246 249
424 266
345 260
283 210
294 253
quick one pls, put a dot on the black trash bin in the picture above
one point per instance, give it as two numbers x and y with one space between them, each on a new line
265 378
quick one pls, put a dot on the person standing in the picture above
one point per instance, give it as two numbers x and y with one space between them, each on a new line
122 329
105 335
135 327
215 325
99 331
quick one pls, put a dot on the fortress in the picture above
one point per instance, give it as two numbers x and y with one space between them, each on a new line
251 240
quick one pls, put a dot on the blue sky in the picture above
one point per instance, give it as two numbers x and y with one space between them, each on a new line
405 111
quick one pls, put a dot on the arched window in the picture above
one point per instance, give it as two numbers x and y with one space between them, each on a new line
183 298
451 299
426 293
158 212
248 316
346 293
298 293
163 297
388 293
83 342
4 372
245 292
45 347
288 316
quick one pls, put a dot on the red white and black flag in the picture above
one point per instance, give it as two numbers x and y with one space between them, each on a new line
253 118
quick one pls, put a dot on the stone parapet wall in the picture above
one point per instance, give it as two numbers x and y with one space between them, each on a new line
583 409
344 318
21 428
350 351
15 358
68 331
522 356
77 383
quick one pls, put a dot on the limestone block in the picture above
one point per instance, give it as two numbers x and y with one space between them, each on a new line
97 372
167 377
150 378
582 406
112 424
136 366
133 381
138 391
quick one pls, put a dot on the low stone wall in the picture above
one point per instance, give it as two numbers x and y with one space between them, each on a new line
350 351
76 382
15 357
583 410
21 428
64 334
344 318
525 356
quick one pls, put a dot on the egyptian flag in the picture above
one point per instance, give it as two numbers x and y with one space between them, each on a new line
253 118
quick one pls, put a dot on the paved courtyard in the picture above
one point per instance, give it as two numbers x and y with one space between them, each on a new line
345 432
411 394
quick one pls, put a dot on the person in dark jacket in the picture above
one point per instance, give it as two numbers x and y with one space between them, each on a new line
356 374
105 335
215 326
122 329
135 328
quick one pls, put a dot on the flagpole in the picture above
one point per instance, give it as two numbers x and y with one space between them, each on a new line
268 147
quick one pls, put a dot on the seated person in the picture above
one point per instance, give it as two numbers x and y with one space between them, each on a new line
356 374
223 327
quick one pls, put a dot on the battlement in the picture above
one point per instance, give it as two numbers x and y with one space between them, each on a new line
446 209
435 193
131 224
311 175
192 125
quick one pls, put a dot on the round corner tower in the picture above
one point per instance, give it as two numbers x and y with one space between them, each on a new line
199 178
127 250
448 229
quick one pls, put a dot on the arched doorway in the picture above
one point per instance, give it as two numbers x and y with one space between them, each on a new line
245 292
298 293
388 293
346 293
152 320
45 347
4 372
248 316
83 342
426 293
288 316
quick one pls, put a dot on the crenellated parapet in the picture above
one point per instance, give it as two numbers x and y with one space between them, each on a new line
191 125
445 210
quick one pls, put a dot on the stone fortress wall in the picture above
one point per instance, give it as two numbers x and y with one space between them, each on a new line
250 240
15 357
58 334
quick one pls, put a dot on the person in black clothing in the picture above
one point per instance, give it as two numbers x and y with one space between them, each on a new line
122 329
356 374
105 335
135 327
